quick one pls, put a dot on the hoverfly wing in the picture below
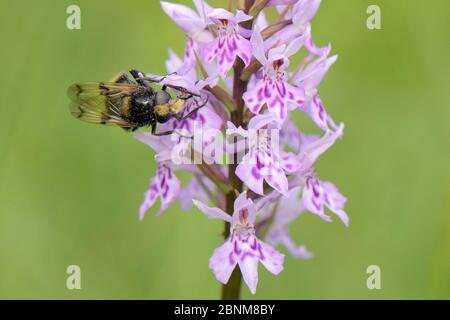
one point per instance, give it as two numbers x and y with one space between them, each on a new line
101 103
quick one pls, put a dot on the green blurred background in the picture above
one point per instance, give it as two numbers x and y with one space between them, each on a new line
70 192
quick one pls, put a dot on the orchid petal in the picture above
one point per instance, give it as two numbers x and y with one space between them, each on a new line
312 147
316 111
220 14
186 18
244 50
297 251
241 16
277 180
335 201
271 258
194 190
202 8
242 201
294 46
261 21
257 43
311 76
223 262
313 49
260 121
247 172
164 185
304 11
254 98
290 162
316 195
272 3
212 213
249 270
150 197
295 95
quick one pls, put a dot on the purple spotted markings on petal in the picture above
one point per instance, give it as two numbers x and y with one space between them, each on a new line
318 194
242 247
272 87
229 43
190 56
264 160
309 78
274 91
165 185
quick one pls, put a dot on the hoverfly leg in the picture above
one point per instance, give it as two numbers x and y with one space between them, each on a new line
167 133
141 82
149 79
181 118
158 134
186 95
135 75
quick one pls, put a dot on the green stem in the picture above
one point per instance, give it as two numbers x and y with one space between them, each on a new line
215 175
232 290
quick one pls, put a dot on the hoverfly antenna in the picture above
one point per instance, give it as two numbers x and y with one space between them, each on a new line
136 74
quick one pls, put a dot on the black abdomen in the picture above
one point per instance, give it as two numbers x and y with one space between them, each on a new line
141 111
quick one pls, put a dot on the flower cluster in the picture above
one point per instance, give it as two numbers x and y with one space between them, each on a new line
242 64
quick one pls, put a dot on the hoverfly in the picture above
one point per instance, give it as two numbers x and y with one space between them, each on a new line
129 104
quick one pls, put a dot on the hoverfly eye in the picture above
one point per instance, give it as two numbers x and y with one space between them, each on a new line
162 97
